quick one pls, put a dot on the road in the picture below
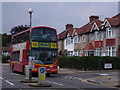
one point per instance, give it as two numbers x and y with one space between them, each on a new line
65 79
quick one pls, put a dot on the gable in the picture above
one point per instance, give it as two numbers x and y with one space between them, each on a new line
74 33
94 27
106 23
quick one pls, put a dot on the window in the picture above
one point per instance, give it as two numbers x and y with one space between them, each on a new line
70 53
75 39
68 41
44 56
83 38
110 32
79 38
110 51
71 40
21 38
101 35
98 52
91 37
77 52
43 34
15 56
97 35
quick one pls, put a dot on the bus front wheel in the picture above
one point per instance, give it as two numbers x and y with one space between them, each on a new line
23 70
13 68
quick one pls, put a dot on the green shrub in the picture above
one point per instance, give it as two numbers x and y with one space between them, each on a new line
88 62
5 59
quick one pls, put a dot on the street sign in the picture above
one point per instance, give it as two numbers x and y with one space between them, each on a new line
42 70
108 65
41 74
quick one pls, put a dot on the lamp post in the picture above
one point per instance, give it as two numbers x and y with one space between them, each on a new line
30 12
30 61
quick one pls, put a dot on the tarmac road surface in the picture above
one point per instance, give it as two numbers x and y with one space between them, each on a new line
65 79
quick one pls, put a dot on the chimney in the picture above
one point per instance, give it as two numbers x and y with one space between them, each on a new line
92 18
69 26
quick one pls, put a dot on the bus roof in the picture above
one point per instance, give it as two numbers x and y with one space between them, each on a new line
31 29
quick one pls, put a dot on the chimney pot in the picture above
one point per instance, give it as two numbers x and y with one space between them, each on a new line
69 26
92 18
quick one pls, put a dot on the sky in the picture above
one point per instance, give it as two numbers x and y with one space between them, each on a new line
54 14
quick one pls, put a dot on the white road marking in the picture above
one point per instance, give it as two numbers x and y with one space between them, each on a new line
14 74
103 74
9 82
75 77
55 83
79 78
48 81
71 77
65 77
1 78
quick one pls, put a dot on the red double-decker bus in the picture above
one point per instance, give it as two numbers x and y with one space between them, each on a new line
41 43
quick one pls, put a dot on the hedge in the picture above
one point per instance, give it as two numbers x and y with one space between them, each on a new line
88 62
5 59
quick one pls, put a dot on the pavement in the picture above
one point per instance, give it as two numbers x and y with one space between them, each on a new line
107 81
107 78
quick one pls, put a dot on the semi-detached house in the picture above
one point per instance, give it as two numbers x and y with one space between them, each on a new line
96 38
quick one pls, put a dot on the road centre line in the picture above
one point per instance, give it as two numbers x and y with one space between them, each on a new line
9 82
71 77
57 83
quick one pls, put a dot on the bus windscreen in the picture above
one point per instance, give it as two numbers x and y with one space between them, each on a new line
46 56
43 34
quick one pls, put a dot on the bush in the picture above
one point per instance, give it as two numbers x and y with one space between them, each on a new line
5 59
88 62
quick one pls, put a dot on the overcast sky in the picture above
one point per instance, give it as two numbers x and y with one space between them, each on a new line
54 14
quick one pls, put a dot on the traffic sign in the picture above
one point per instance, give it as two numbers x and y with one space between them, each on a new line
41 74
42 70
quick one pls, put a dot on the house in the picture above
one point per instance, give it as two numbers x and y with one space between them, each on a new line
6 51
96 38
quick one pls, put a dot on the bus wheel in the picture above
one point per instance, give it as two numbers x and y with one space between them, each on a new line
13 68
23 70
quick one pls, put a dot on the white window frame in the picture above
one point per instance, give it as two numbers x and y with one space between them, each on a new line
77 52
70 53
71 40
110 51
110 32
98 51
75 39
79 38
101 35
83 38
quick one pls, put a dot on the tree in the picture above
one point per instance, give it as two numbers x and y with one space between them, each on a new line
18 29
5 40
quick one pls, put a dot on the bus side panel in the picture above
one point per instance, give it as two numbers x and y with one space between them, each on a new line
20 65
24 60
